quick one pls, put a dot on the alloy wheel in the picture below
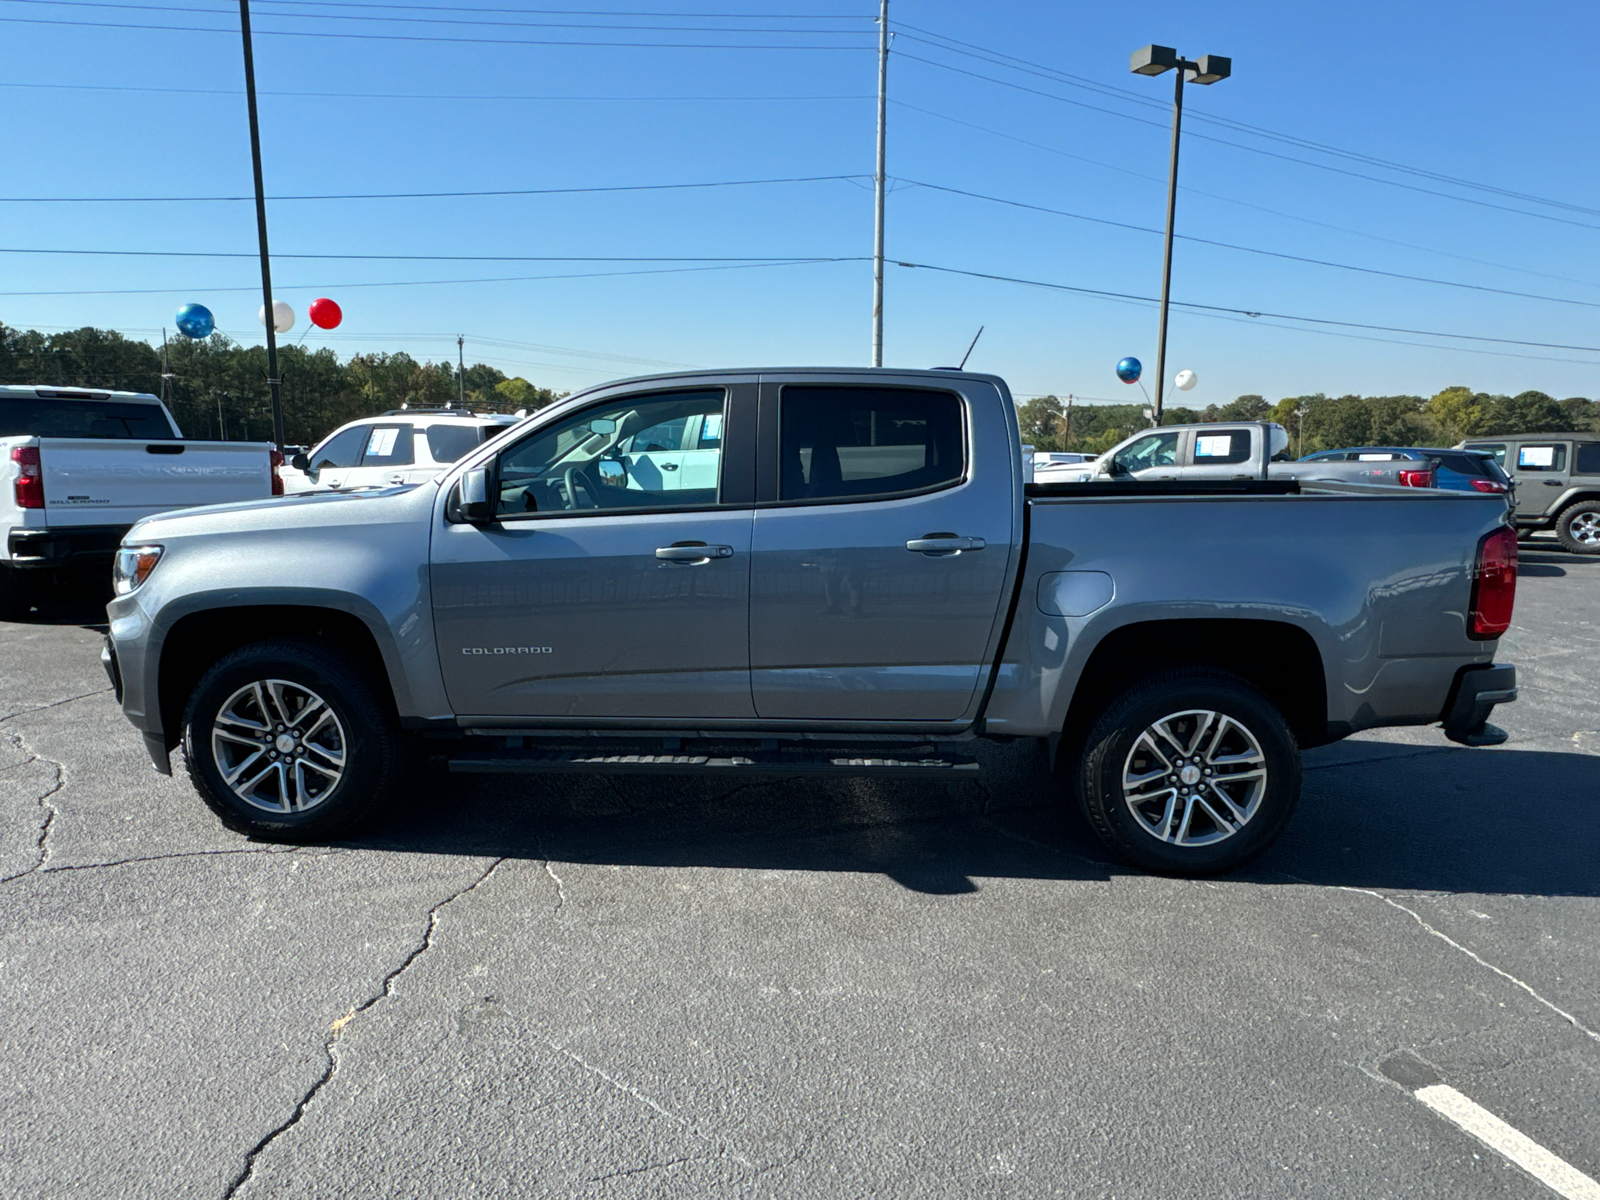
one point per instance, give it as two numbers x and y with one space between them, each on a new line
1194 778
279 746
1585 528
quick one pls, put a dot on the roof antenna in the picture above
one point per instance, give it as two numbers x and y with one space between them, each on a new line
968 354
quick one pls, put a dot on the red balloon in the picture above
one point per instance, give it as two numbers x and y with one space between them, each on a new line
325 314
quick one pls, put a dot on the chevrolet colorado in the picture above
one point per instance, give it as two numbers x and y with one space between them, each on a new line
798 571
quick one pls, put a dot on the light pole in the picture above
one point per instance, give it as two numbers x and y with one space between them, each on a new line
879 180
1153 60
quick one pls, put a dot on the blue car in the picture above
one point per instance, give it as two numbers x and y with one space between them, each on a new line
1455 470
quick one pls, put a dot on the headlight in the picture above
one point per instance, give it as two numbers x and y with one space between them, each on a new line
132 567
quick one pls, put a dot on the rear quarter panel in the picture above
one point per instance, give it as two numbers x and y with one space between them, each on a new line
1380 583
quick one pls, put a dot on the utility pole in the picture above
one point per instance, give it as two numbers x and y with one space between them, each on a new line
1067 440
461 365
273 382
166 371
878 182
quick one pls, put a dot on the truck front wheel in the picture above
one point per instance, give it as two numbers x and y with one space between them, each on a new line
289 740
1191 772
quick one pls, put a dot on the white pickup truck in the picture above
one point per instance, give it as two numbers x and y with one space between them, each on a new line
81 466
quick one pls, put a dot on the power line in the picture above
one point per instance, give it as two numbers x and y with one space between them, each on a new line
329 287
1243 312
1040 69
592 12
1319 262
1249 149
493 258
170 91
406 37
317 16
568 191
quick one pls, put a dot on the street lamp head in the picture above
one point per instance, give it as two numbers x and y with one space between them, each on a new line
1153 60
1211 68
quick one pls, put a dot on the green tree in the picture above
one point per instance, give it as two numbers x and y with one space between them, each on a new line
1042 422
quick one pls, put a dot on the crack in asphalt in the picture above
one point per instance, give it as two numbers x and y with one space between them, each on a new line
274 851
331 1042
42 846
661 1166
53 704
1569 1018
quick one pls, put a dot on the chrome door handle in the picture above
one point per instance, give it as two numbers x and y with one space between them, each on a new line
944 543
1553 483
669 466
397 479
692 552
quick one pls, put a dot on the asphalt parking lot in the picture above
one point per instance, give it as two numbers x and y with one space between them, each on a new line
563 987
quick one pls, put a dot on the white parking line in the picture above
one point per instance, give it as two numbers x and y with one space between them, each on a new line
1549 1169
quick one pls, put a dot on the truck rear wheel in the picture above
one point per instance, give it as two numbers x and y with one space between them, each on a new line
1191 772
289 740
1578 528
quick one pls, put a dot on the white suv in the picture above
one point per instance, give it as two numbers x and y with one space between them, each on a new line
402 446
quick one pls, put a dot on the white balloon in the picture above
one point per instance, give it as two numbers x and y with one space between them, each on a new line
1186 380
282 316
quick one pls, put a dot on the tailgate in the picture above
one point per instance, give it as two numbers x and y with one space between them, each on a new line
106 481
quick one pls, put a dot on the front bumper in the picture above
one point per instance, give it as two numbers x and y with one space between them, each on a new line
80 546
1476 691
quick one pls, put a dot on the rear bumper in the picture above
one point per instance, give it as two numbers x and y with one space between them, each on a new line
81 546
1476 691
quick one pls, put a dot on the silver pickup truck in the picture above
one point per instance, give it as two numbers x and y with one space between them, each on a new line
807 571
1242 450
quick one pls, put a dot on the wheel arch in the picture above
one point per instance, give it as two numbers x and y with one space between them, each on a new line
1280 658
196 640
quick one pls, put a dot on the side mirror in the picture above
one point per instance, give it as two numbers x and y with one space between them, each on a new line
1117 470
301 463
613 473
475 504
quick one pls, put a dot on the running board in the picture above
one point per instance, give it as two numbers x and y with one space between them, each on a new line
519 762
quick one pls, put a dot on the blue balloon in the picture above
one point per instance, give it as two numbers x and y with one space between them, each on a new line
1129 370
195 321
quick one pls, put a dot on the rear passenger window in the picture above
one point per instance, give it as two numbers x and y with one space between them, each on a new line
855 443
446 443
1542 458
388 446
1227 446
1588 459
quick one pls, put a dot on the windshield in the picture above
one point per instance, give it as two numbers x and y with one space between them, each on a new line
30 417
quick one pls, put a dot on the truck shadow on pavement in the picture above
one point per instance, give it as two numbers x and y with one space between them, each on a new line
1372 815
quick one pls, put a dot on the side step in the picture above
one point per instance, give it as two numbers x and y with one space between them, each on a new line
518 762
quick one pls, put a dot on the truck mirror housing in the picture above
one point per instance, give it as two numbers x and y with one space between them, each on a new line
613 472
300 462
475 505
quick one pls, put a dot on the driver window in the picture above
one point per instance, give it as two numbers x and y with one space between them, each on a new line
622 454
341 450
1156 450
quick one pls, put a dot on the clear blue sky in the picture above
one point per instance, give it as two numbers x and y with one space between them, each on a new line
1484 92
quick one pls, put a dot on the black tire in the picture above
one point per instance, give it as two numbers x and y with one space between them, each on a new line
1109 750
367 735
16 594
1585 539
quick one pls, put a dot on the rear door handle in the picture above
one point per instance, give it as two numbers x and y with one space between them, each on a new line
1553 483
944 543
692 552
669 466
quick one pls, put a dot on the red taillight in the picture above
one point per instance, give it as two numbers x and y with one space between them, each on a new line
29 484
277 465
1492 486
1422 478
1494 584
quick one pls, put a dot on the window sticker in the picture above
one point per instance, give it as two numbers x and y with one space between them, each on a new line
711 430
381 443
1536 456
1214 446
1376 458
